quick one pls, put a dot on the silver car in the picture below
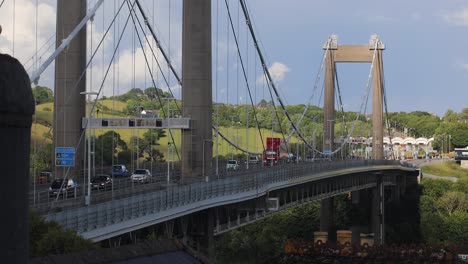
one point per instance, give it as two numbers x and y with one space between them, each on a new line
141 176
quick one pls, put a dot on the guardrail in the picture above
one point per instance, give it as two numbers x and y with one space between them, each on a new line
177 200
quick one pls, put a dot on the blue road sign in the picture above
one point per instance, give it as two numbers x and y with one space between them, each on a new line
327 152
64 156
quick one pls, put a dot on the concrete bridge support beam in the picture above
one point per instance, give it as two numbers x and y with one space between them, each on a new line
327 218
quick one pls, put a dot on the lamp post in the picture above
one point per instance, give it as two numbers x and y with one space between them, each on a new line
138 108
203 160
88 126
232 127
330 135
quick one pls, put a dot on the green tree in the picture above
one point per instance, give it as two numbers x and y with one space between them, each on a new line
148 145
450 116
107 147
43 94
451 202
42 159
47 238
153 92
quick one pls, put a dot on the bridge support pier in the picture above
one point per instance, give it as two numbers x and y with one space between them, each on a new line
327 221
360 224
169 228
377 210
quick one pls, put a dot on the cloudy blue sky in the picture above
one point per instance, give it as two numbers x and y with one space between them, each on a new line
425 61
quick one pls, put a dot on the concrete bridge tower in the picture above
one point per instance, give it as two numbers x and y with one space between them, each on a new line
197 150
371 53
69 104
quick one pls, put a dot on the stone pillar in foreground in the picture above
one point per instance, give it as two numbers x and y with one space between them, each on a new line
16 110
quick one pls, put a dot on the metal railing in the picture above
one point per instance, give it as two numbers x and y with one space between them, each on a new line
176 200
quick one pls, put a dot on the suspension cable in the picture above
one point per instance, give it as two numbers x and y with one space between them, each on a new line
365 98
317 79
267 73
46 135
166 58
340 101
244 71
158 43
385 104
151 74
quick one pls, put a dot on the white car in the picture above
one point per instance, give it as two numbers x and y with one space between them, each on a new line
141 175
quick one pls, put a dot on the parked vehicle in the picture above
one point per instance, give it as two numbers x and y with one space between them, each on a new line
232 165
65 187
141 176
119 171
101 181
44 177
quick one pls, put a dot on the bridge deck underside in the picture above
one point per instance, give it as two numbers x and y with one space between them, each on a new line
309 181
237 215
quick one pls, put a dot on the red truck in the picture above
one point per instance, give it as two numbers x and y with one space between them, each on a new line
271 155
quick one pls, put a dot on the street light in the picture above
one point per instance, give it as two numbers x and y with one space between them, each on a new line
232 127
168 116
203 159
330 135
88 197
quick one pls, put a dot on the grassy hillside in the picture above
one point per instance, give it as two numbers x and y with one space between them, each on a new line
450 168
44 119
38 133
237 135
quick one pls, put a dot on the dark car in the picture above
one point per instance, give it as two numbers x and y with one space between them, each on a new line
119 171
101 182
65 187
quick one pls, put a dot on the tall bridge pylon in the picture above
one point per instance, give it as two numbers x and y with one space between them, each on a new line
371 53
197 143
69 104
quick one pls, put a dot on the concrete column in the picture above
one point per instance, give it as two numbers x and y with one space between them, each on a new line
197 150
327 218
16 110
377 211
377 108
326 205
69 104
358 226
329 103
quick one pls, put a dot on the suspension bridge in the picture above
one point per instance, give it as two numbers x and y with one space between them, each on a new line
199 199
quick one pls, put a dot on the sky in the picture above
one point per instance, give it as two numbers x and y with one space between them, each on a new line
425 60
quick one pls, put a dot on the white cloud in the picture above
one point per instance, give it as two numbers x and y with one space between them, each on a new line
131 71
459 18
23 41
277 71
465 66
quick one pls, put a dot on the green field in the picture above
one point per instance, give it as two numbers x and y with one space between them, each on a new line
450 168
44 119
236 135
